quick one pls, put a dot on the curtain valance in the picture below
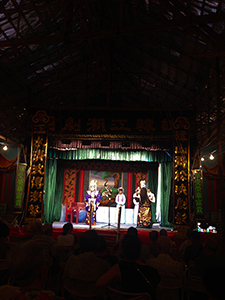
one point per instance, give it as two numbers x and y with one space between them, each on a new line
114 155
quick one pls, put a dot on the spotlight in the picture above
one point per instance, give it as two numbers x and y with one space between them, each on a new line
211 157
125 145
105 143
202 158
86 143
5 148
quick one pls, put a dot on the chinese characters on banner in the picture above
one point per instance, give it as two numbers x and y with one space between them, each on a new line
34 208
111 124
20 186
181 174
197 179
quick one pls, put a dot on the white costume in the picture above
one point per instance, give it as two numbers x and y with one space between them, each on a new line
120 202
136 206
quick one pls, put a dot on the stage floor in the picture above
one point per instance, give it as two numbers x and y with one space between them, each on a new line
113 227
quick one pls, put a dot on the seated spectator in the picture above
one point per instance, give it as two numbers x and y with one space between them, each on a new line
67 238
169 269
132 273
4 237
162 232
28 271
154 247
42 235
184 245
195 249
213 280
209 258
83 270
145 252
102 253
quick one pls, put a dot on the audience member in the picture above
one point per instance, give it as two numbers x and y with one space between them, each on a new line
4 237
27 268
195 249
184 245
154 247
102 251
83 270
213 280
170 270
67 238
145 252
209 258
42 235
132 273
162 232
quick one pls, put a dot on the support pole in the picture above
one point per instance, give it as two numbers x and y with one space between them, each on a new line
220 158
91 214
118 225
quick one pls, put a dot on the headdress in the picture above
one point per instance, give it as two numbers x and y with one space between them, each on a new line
120 188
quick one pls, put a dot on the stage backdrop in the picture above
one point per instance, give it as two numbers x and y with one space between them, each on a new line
68 174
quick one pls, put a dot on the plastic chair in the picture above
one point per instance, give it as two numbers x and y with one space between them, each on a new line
194 283
78 289
118 295
171 288
69 209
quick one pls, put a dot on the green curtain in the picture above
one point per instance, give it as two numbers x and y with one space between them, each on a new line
110 154
54 178
152 184
166 177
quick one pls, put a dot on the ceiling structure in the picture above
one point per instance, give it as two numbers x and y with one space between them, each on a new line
112 54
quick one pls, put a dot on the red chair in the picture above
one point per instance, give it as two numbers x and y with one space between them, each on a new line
73 207
69 209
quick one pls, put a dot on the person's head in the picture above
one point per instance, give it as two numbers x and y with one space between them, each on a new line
120 190
93 185
4 231
67 228
210 246
163 232
89 241
195 236
26 264
153 235
142 184
165 244
131 246
37 228
47 229
101 244
132 230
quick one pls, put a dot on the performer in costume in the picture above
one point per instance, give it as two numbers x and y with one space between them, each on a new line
92 197
120 202
136 204
144 197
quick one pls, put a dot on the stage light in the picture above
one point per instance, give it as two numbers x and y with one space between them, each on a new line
105 143
202 158
5 148
211 157
125 144
86 143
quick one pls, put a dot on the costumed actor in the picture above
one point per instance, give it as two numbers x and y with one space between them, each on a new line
120 202
136 204
93 198
144 196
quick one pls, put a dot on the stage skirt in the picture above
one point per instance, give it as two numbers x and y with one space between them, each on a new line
144 216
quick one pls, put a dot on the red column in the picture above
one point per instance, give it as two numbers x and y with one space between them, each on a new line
129 192
215 204
209 195
9 183
81 187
